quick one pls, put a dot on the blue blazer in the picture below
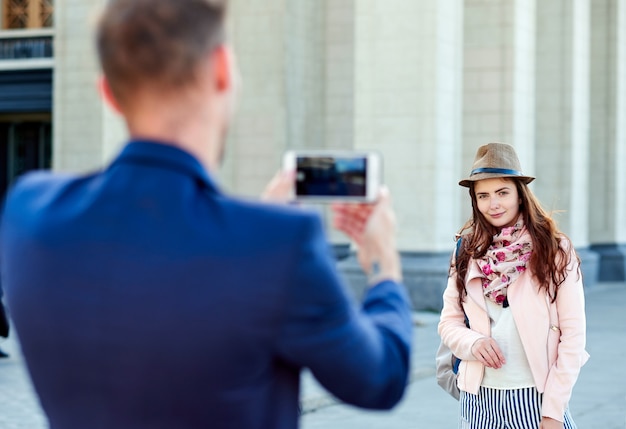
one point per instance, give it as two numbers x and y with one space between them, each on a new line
144 297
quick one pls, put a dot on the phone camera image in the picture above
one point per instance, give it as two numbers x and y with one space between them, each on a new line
331 176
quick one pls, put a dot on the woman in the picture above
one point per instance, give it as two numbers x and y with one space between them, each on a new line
517 279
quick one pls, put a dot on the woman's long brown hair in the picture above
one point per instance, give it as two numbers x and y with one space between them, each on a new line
548 262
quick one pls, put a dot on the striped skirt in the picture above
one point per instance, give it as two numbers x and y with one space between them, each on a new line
504 409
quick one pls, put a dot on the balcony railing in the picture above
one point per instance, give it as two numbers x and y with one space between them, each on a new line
18 48
30 49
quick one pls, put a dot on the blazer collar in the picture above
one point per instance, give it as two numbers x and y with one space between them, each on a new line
167 156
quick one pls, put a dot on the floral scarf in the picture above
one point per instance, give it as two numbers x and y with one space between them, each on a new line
505 260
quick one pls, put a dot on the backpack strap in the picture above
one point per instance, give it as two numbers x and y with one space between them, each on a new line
456 256
458 249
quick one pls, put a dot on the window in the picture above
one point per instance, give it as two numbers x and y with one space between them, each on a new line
25 144
17 14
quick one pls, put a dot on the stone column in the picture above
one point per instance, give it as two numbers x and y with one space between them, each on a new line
305 73
578 206
499 77
620 133
407 92
340 72
563 114
280 46
499 80
408 80
258 134
608 138
563 120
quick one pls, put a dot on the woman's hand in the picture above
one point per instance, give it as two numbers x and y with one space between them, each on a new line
487 352
548 423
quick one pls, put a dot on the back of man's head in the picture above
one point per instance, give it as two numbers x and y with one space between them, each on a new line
157 43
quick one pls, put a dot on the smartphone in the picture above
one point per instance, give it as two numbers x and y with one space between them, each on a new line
328 175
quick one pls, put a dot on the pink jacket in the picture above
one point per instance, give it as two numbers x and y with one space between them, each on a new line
553 335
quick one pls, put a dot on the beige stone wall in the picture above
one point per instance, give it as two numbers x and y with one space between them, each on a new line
339 73
423 82
259 133
281 49
85 133
408 62
305 73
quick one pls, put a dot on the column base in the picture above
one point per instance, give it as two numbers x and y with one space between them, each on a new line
425 277
589 265
612 262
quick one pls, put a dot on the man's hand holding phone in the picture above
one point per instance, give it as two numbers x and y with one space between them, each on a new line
372 227
365 215
280 188
325 176
334 175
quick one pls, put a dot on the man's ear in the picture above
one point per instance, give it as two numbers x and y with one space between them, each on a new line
107 94
222 64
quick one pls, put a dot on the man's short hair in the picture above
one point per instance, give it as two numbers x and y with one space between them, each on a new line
157 42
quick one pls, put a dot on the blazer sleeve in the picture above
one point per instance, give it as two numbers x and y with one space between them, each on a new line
571 354
360 355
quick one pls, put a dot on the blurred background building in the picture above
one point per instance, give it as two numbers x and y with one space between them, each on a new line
425 82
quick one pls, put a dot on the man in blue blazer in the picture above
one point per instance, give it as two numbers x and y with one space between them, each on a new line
144 297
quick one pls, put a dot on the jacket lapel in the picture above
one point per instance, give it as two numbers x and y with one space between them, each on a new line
474 285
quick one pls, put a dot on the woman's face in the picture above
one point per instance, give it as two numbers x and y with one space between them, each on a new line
498 201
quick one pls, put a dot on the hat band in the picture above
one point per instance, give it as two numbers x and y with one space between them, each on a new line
496 171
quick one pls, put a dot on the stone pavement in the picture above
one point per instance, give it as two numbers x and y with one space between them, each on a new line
19 408
599 400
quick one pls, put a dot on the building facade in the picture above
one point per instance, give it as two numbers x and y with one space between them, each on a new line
26 50
424 82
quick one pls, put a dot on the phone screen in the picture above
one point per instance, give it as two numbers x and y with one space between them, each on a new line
328 176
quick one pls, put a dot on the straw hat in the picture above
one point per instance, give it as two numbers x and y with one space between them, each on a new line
495 160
